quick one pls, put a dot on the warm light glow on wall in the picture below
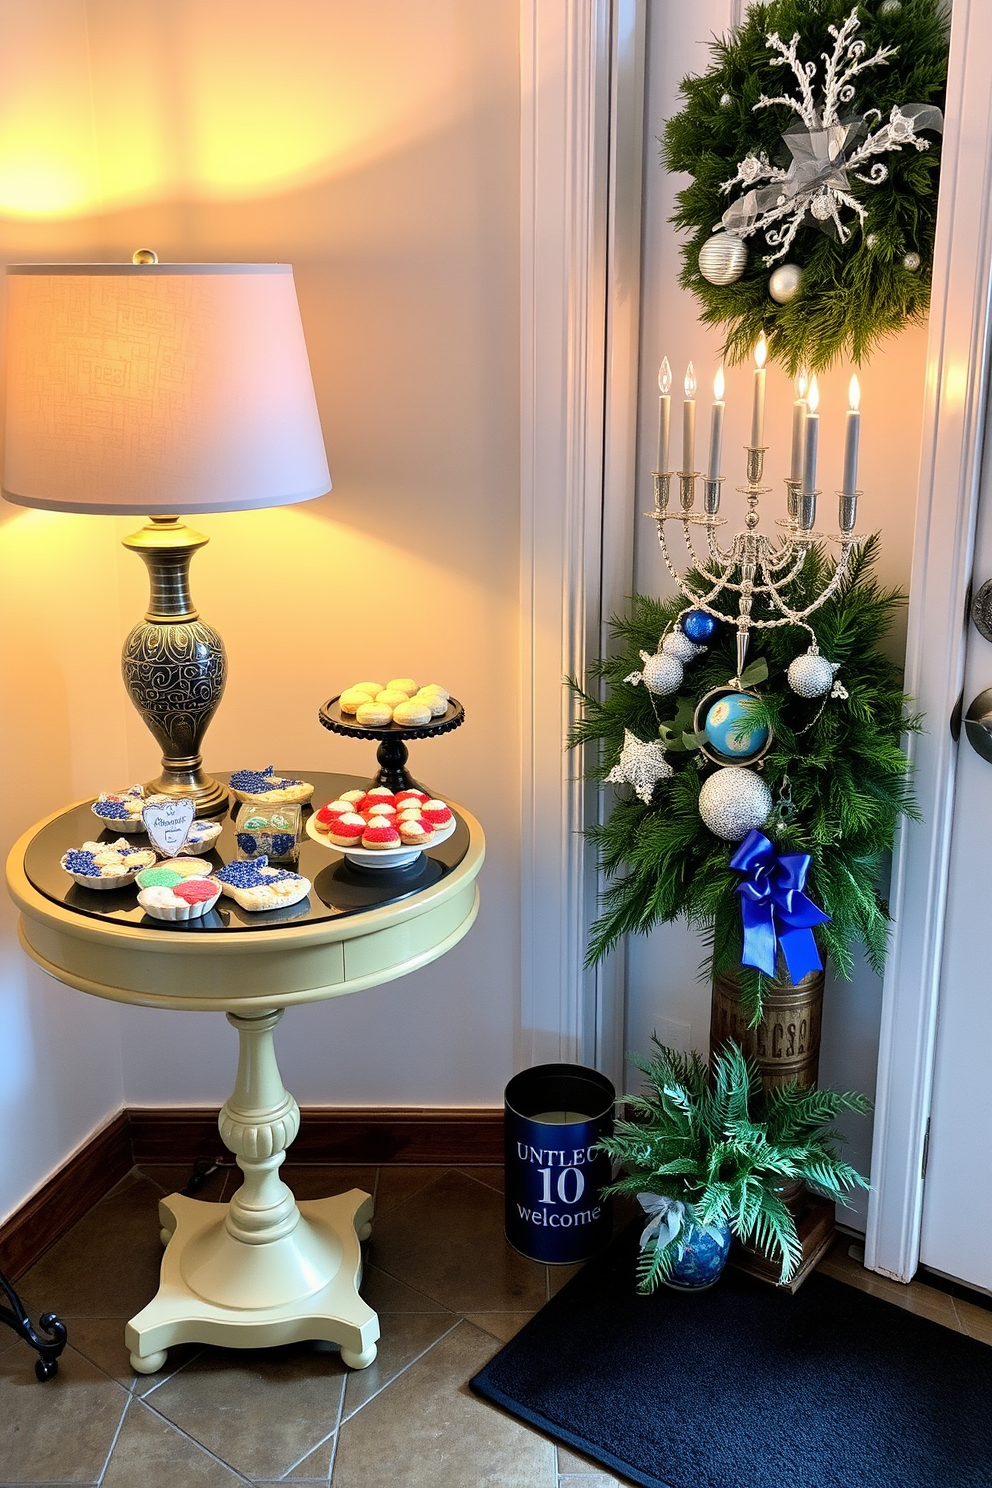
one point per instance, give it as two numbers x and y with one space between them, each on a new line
106 105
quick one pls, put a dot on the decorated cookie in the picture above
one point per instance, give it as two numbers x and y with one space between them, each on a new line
159 878
414 831
201 836
413 714
329 814
186 899
102 865
417 796
353 796
375 715
376 837
121 810
438 813
347 831
256 886
188 867
266 785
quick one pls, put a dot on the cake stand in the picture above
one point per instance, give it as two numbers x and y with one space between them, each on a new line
392 753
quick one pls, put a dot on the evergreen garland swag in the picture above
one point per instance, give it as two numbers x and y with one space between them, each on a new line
851 294
847 774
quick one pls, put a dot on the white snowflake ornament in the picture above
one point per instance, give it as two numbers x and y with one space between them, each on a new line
826 150
641 765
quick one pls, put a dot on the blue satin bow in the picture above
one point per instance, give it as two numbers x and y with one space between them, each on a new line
774 908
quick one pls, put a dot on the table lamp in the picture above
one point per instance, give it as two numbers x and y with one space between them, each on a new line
162 389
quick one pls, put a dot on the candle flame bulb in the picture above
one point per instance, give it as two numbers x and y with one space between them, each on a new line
719 383
761 351
854 392
802 382
690 381
664 376
813 397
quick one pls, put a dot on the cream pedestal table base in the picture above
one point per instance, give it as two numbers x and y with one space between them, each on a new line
263 1269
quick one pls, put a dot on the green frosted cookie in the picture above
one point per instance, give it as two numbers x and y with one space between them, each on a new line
164 878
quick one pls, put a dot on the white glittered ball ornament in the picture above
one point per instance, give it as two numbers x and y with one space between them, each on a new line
785 283
723 258
911 261
734 800
661 674
811 675
679 645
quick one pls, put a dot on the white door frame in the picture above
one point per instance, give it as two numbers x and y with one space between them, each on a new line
582 72
950 466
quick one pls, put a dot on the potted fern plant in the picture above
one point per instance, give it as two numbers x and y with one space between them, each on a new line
708 1153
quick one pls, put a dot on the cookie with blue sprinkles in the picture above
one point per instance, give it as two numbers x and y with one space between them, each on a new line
266 785
103 865
121 809
255 886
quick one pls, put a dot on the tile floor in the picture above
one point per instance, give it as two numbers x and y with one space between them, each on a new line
215 1418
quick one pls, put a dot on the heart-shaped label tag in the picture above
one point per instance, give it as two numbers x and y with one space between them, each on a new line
168 824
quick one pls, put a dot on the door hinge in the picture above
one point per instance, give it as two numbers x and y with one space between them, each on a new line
926 1151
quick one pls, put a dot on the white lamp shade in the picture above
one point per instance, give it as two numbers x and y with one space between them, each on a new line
158 388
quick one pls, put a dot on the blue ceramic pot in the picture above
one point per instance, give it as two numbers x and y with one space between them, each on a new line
700 1256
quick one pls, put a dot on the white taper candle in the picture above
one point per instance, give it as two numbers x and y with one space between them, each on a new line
664 415
689 422
758 401
716 425
852 438
812 439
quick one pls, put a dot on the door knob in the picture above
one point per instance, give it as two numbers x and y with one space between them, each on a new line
978 724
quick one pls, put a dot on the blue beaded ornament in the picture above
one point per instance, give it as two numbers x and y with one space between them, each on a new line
698 626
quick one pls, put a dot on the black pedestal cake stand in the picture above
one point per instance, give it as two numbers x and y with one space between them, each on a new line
392 753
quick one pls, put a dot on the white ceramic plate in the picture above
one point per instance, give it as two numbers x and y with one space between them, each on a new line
388 857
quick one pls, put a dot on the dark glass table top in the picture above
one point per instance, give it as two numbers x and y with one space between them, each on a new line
339 888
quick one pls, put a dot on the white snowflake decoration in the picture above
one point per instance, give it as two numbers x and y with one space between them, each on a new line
641 765
826 150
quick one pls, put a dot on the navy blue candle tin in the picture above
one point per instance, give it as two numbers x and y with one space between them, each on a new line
554 1116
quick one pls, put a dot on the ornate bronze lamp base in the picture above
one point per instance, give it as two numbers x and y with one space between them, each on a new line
174 665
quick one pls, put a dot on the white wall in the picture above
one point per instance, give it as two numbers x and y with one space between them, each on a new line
376 148
665 992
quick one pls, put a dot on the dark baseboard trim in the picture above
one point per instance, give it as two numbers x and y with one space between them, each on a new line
69 1193
330 1134
179 1135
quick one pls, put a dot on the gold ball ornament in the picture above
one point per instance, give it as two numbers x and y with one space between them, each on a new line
785 282
723 258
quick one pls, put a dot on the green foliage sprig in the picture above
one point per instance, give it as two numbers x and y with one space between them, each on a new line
847 772
852 294
720 1146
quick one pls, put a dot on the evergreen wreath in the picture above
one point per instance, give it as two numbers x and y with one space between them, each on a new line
840 758
859 259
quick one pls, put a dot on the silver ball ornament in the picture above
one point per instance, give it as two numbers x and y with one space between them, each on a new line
784 283
732 801
679 645
890 7
723 258
725 100
871 240
662 674
811 675
911 261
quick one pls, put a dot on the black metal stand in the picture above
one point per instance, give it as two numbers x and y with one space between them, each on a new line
48 1349
392 753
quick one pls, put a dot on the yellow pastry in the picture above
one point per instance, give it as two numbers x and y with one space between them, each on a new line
434 699
415 713
374 715
370 687
352 699
433 687
403 684
391 697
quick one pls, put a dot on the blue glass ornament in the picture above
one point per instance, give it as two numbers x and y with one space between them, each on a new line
729 730
698 626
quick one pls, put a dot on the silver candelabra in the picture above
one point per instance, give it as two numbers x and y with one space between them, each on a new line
757 568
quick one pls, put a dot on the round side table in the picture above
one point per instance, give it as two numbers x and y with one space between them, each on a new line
262 1269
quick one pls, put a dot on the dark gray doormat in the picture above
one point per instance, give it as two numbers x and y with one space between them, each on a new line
746 1387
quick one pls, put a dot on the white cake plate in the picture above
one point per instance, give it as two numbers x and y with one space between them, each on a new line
385 857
